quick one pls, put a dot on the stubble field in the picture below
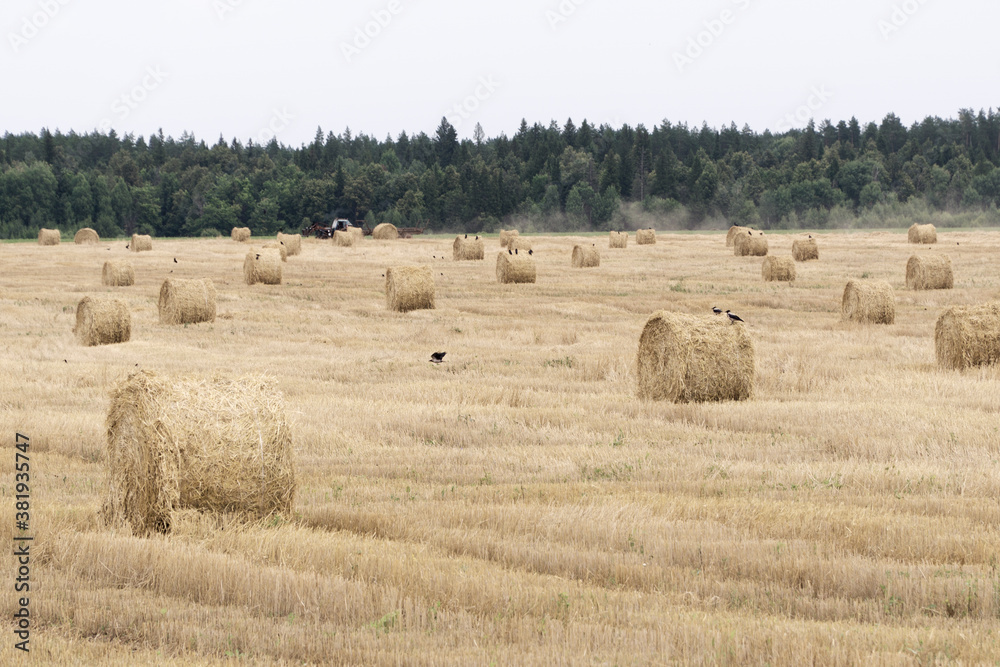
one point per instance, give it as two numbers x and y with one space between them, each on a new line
518 504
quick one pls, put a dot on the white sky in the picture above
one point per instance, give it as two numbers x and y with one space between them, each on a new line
237 66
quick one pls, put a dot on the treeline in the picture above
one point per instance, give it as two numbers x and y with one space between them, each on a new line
544 178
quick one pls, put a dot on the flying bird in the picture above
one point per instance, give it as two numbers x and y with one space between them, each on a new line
733 317
437 357
717 310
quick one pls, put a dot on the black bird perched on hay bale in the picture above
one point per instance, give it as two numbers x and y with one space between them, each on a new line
733 317
509 252
466 236
515 251
258 256
531 252
175 260
717 310
437 357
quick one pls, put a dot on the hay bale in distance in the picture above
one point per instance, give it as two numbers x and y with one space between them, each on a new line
868 302
804 250
344 239
515 268
618 240
506 235
465 248
585 256
186 301
385 232
49 236
520 243
86 236
921 234
968 336
645 237
282 250
118 273
683 358
217 446
358 233
292 243
102 321
240 234
778 268
733 232
929 272
262 266
751 244
141 242
409 288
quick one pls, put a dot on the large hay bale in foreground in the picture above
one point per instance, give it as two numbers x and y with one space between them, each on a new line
186 301
49 236
465 248
86 236
240 234
262 266
385 232
683 358
141 242
344 239
618 240
921 234
359 234
102 321
585 256
805 249
645 237
506 235
868 302
218 446
751 244
282 250
929 272
292 243
515 268
118 273
519 243
733 232
409 288
778 268
968 336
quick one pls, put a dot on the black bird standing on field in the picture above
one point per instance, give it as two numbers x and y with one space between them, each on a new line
466 236
438 357
126 246
717 310
733 317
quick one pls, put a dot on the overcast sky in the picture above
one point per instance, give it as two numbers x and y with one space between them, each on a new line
247 68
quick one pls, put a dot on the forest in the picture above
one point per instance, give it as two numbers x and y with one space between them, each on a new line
544 178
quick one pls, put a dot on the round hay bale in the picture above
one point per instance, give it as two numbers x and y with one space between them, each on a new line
240 234
49 236
618 240
921 234
645 237
86 236
751 244
683 358
968 336
515 268
217 446
868 302
118 273
292 243
262 266
733 232
186 301
385 232
102 321
359 234
585 256
344 239
805 249
409 288
929 272
506 235
778 268
282 250
141 242
520 243
465 248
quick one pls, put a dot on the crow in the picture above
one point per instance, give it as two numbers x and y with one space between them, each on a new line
530 252
126 246
717 310
477 238
175 260
733 317
437 357
509 252
515 251
466 236
258 256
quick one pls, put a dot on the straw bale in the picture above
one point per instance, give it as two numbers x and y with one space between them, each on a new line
618 240
344 239
869 302
49 236
968 336
141 242
282 250
409 288
385 232
186 301
102 321
515 268
733 232
929 272
645 237
585 256
86 236
262 266
211 446
240 234
506 235
752 244
465 248
805 249
684 358
924 234
292 243
778 268
359 234
118 273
